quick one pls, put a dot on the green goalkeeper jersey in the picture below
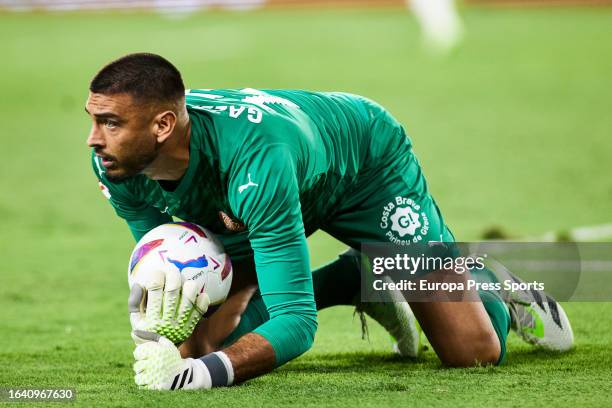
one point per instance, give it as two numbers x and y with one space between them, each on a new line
267 168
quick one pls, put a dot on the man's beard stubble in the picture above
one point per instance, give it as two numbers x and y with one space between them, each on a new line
133 167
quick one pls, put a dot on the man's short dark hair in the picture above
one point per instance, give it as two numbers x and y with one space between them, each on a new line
146 77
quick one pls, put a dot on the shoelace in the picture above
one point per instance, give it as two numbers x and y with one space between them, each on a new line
521 317
365 333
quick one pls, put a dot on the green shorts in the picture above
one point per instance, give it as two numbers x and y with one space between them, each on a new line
390 202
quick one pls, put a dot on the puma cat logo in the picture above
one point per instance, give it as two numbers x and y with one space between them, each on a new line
247 185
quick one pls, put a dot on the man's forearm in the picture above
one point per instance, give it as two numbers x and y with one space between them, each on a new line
211 332
251 356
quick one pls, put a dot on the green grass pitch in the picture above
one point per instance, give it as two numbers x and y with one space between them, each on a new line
512 131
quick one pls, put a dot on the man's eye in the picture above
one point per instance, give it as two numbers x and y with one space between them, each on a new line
110 124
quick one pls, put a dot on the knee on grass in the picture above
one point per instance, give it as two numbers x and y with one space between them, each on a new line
474 350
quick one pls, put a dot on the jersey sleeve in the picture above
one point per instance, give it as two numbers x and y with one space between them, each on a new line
264 194
140 217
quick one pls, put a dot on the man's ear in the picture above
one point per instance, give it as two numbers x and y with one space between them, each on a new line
163 125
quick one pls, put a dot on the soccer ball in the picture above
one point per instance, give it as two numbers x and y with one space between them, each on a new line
188 248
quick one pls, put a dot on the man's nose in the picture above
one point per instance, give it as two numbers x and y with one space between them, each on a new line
95 138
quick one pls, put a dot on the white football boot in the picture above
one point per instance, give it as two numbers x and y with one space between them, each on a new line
400 323
536 317
397 318
392 312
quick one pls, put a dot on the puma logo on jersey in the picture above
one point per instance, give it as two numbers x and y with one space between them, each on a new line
247 185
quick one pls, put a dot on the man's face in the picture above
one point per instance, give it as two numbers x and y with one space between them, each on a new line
121 134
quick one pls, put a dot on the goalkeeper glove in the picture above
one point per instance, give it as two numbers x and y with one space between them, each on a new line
159 366
173 308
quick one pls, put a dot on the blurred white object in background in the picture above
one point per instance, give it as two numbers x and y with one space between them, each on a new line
440 22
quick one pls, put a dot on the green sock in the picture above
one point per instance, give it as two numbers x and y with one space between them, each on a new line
483 275
496 309
339 282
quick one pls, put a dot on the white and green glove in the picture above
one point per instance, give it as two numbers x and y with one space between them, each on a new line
172 307
159 366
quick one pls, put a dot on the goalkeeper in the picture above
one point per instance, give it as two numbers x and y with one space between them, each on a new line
263 170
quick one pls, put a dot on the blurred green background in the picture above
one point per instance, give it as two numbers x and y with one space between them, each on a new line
512 129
